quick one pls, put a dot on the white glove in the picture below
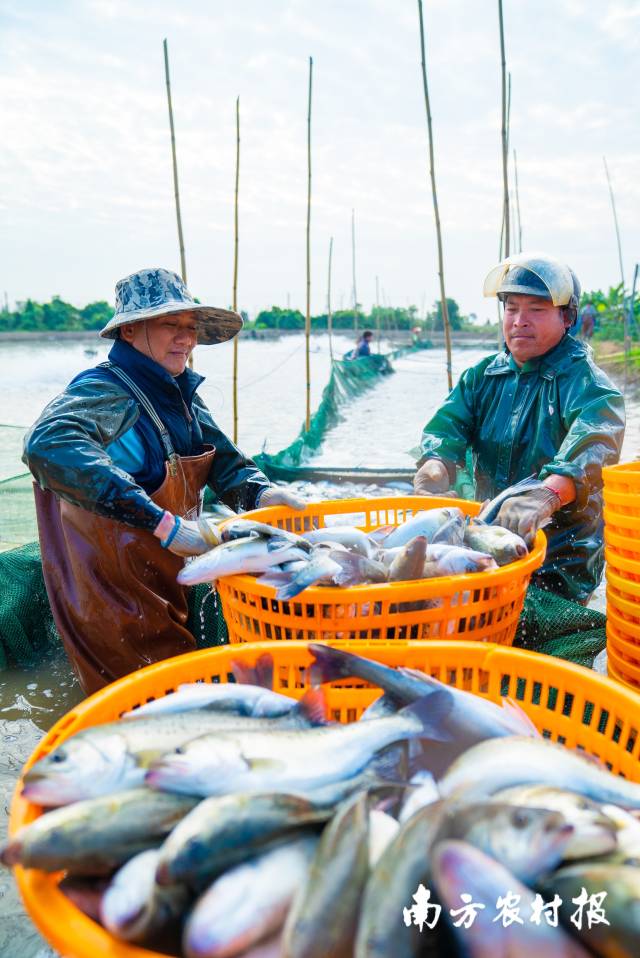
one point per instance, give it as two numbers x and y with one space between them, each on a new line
184 537
277 496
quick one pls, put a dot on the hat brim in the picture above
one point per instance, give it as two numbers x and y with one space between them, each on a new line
214 325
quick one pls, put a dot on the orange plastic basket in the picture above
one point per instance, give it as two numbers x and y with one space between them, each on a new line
482 607
568 703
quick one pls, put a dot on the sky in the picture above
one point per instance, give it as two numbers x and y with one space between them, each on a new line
86 189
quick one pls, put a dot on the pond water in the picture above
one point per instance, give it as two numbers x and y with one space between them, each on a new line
379 429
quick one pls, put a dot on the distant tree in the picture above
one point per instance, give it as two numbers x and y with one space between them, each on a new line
434 318
96 315
276 318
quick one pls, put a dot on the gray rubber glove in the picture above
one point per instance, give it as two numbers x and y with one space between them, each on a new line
277 496
525 514
432 479
185 537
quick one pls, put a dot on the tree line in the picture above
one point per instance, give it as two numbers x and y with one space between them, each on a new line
58 315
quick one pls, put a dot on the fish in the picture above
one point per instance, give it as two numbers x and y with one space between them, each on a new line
246 700
383 828
528 841
409 563
134 908
490 510
117 755
253 554
248 903
421 791
353 539
332 566
321 568
437 525
472 718
226 830
324 912
245 528
219 512
594 833
493 765
85 893
292 760
627 837
443 559
458 868
502 544
94 836
402 866
619 937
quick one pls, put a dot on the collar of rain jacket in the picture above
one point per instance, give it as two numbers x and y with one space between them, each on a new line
151 377
566 352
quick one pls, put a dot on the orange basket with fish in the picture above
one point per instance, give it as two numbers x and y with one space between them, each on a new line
567 703
481 606
622 553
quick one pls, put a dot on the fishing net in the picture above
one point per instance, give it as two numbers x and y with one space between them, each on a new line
349 379
556 626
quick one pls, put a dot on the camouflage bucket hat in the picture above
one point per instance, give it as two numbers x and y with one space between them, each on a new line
157 292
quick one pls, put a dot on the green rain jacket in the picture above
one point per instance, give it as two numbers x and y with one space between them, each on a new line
558 414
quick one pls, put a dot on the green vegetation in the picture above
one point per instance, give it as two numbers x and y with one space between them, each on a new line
57 315
612 308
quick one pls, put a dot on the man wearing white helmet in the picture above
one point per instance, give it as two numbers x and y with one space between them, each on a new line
542 407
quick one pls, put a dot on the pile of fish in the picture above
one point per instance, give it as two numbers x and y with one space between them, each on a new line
227 819
433 542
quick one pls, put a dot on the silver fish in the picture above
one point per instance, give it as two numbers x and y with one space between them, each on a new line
134 908
409 564
505 546
248 903
455 560
95 836
111 757
226 830
496 764
459 868
290 761
248 700
254 554
355 540
438 525
324 913
245 528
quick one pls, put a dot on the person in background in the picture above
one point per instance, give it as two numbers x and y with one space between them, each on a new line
541 406
363 345
587 320
121 459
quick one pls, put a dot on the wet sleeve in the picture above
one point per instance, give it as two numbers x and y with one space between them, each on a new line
66 452
449 432
593 412
235 479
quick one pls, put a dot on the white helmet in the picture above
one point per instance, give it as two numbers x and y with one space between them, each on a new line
536 274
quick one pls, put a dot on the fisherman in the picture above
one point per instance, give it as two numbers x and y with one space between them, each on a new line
539 407
121 459
587 320
363 345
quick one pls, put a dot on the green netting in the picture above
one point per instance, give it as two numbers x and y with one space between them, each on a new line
556 626
27 630
349 379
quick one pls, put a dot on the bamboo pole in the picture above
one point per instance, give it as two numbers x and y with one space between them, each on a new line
353 269
183 264
505 138
329 316
615 221
176 191
515 170
307 323
235 274
378 312
443 298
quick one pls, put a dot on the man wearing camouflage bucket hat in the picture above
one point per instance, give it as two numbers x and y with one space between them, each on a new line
121 459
